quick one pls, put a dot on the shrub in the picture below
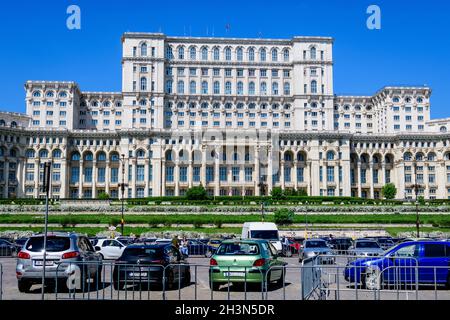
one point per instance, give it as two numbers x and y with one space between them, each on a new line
277 193
103 196
218 223
114 222
197 193
197 224
284 216
389 191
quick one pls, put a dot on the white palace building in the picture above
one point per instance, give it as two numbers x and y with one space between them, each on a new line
238 116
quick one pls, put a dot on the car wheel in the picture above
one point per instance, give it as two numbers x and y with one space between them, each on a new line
187 278
214 286
372 279
24 286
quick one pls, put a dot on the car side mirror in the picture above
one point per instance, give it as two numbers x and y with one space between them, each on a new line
97 248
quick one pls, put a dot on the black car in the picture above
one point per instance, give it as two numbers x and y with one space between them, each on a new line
341 245
142 264
7 248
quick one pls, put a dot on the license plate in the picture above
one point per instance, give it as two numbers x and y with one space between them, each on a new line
137 274
234 274
41 263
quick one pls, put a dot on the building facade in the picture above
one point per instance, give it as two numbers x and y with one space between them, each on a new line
238 116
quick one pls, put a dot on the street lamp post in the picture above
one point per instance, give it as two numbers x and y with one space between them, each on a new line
122 188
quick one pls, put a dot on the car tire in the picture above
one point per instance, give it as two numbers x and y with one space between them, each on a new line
24 286
214 286
372 279
118 285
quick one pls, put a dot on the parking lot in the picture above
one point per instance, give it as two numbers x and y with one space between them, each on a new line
332 286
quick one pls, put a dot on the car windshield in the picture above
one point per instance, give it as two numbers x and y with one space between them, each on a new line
54 244
367 244
152 253
342 241
315 244
265 234
238 248
5 242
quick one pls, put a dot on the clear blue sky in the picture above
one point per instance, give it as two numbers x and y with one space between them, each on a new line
412 48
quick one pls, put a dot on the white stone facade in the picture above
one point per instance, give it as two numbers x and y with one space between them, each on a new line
239 116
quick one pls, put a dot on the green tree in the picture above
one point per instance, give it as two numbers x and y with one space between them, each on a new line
197 193
277 193
284 216
302 192
103 196
389 191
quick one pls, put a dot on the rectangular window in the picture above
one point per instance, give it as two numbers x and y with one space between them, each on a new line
114 175
223 174
74 175
140 173
363 176
183 174
88 174
169 174
209 174
101 175
300 175
196 174
330 174
248 174
235 174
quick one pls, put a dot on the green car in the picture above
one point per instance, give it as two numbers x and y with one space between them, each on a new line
239 261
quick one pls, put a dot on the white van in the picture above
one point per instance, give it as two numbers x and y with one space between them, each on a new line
262 230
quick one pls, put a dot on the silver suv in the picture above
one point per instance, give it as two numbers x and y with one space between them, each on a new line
66 253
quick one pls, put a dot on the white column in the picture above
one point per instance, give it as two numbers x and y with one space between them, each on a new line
147 177
36 178
203 168
163 178
65 179
336 179
281 175
372 195
257 173
177 178
133 178
107 176
80 180
217 175
190 173
94 179
358 180
270 172
294 176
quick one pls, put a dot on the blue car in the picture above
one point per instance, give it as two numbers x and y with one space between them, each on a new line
413 262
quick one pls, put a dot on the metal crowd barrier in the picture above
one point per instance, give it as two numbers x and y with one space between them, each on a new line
1 282
7 252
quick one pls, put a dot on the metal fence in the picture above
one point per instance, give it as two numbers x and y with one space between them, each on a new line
330 277
7 251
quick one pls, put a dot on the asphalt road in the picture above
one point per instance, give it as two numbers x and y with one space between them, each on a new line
335 287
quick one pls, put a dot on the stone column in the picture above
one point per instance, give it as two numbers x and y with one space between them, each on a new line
257 173
383 174
36 178
359 179
177 178
65 179
336 180
281 175
203 168
216 174
157 177
371 181
270 171
107 176
6 190
190 173
147 177
20 178
94 179
295 176
80 180
163 178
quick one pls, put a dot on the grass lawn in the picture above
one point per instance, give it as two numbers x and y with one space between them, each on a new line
68 219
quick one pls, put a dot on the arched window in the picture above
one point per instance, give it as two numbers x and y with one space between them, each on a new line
251 54
216 54
13 153
216 87
192 87
275 88
396 100
287 89
251 88
89 156
169 53
274 55
300 157
180 87
239 54
330 155
37 94
204 53
115 157
419 156
181 53
143 102
2 123
101 156
205 105
56 154
228 87
169 156
240 88
314 86
75 156
286 55
144 49
228 53
140 154
13 124
288 156
204 87
407 156
262 55
193 53
30 153
431 156
169 86
263 89
43 153
313 53
443 129
143 84
63 94
50 94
